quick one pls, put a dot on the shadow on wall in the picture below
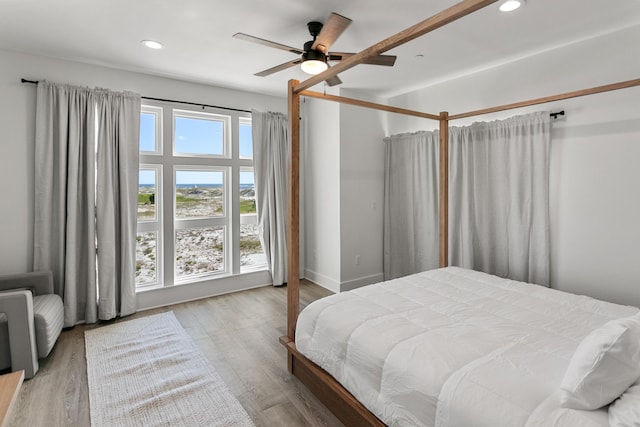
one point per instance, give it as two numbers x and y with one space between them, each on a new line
595 129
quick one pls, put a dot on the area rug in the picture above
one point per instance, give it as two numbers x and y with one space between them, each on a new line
149 372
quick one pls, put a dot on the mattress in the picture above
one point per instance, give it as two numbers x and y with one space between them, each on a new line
454 347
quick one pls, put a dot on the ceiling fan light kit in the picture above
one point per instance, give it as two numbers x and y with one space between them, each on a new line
315 56
313 61
313 66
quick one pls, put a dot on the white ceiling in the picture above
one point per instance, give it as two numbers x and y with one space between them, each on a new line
200 47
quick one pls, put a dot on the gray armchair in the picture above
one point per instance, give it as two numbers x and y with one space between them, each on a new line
31 319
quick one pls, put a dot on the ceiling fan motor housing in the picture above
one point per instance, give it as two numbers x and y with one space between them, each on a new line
314 28
312 54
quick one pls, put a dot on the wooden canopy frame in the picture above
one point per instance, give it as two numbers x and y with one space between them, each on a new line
348 409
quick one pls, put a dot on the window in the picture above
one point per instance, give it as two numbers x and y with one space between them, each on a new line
150 130
200 193
200 134
197 215
246 141
201 221
251 253
148 239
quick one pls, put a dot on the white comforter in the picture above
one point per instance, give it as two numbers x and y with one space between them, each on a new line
454 347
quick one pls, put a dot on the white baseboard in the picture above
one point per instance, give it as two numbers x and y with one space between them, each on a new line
322 280
336 286
362 281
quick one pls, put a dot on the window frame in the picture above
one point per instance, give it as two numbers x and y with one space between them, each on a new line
154 226
199 115
226 178
249 219
168 163
205 222
244 121
157 112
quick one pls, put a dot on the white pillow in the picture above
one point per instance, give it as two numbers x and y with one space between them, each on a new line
604 365
625 412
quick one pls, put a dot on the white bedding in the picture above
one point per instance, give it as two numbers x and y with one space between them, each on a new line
454 347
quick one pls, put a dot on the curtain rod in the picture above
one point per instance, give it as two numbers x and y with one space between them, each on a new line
35 82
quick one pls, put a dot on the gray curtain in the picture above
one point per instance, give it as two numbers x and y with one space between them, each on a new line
117 201
270 157
69 122
64 227
499 197
410 204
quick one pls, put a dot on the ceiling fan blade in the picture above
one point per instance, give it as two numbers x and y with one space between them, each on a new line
277 68
331 30
247 37
388 60
334 81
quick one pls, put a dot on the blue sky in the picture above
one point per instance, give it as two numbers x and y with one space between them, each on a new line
147 132
194 136
197 136
147 177
246 144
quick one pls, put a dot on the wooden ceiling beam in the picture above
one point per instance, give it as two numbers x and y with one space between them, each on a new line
544 100
366 104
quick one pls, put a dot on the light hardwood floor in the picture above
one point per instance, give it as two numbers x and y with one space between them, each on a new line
238 333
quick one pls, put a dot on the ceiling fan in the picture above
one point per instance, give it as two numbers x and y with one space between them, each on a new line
315 56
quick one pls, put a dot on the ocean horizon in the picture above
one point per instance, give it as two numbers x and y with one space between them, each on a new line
197 185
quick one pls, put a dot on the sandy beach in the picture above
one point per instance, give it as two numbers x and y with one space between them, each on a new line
199 251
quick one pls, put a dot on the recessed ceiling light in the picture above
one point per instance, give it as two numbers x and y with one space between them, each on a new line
511 5
152 44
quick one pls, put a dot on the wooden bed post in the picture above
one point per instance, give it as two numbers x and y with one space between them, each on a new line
293 214
444 189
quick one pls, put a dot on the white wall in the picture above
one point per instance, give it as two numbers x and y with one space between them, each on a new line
321 168
595 200
17 121
344 178
361 192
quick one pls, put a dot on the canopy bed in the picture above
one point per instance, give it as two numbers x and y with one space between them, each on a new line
488 301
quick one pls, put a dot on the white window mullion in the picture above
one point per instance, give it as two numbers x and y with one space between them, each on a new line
168 229
234 230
